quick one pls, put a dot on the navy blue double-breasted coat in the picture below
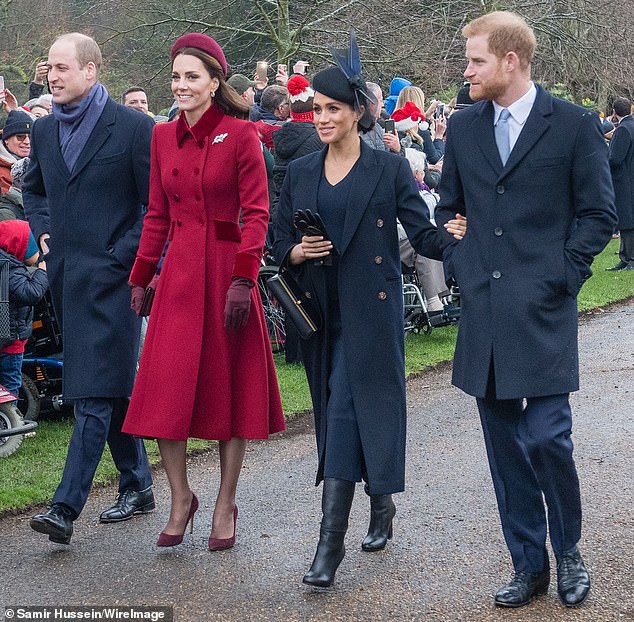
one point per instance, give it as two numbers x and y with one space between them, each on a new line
534 227
370 300
94 215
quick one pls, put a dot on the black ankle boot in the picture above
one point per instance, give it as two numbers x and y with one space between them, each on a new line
382 511
336 502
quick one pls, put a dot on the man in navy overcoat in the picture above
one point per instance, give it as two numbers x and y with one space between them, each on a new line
84 195
622 167
530 173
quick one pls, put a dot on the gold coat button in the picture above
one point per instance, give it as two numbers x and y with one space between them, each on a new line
378 260
382 295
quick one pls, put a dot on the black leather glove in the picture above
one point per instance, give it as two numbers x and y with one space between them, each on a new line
312 224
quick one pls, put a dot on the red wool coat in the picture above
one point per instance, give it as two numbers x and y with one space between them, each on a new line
196 378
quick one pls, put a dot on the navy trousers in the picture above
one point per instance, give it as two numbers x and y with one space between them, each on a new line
98 420
530 455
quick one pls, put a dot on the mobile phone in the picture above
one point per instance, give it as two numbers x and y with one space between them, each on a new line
1 83
260 70
282 67
389 126
440 110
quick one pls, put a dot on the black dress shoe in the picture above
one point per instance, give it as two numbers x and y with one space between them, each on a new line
129 502
57 523
522 588
622 265
573 580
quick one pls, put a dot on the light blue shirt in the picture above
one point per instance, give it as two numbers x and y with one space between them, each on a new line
519 111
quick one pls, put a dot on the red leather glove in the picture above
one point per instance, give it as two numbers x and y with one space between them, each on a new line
136 298
238 303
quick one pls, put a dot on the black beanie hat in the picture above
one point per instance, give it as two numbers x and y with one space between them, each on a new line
463 99
18 122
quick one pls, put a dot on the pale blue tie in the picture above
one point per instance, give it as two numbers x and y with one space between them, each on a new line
502 135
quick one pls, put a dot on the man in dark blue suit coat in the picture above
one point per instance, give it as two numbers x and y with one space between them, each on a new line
622 167
84 195
537 216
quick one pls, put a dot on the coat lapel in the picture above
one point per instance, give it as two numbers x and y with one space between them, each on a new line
483 129
97 138
533 130
365 181
52 139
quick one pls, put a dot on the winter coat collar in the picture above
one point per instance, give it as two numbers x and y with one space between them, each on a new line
202 128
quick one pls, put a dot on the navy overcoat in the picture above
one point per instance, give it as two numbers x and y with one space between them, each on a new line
622 167
94 216
370 300
533 229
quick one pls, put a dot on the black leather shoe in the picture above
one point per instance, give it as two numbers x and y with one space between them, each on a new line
573 581
57 523
622 265
129 502
521 590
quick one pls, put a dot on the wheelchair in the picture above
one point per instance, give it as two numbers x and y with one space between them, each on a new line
416 317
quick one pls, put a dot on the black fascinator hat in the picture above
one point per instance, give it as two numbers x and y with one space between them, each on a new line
345 82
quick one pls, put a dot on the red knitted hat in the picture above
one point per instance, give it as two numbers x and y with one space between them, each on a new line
201 42
299 89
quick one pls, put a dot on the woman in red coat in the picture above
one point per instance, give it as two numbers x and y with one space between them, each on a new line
206 370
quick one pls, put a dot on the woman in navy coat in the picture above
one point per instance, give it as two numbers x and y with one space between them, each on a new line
355 362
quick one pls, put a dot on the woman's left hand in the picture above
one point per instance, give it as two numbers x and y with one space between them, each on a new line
457 226
238 303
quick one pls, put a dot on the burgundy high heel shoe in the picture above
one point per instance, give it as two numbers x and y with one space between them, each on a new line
220 544
167 539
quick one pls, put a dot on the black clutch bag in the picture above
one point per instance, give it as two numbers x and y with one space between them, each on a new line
298 307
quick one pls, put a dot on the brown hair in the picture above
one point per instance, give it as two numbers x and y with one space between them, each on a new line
86 49
226 97
507 32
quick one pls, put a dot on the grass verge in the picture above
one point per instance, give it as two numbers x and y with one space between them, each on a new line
30 476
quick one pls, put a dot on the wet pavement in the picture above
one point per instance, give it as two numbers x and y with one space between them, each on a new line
447 557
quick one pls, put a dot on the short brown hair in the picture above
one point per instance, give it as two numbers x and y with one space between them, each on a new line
86 49
226 97
507 32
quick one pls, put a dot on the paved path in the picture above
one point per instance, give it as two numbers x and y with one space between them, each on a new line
447 557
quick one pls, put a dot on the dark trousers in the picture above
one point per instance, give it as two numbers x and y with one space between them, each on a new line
626 250
98 420
530 456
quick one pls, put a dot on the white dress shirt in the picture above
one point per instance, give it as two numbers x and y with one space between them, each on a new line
519 111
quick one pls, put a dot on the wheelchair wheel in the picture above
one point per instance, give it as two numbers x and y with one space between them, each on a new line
29 399
273 313
9 418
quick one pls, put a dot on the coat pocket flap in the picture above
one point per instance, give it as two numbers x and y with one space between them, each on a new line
227 230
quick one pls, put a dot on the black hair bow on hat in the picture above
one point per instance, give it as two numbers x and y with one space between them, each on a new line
349 62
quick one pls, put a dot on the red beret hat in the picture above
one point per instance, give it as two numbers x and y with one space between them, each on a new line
201 42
